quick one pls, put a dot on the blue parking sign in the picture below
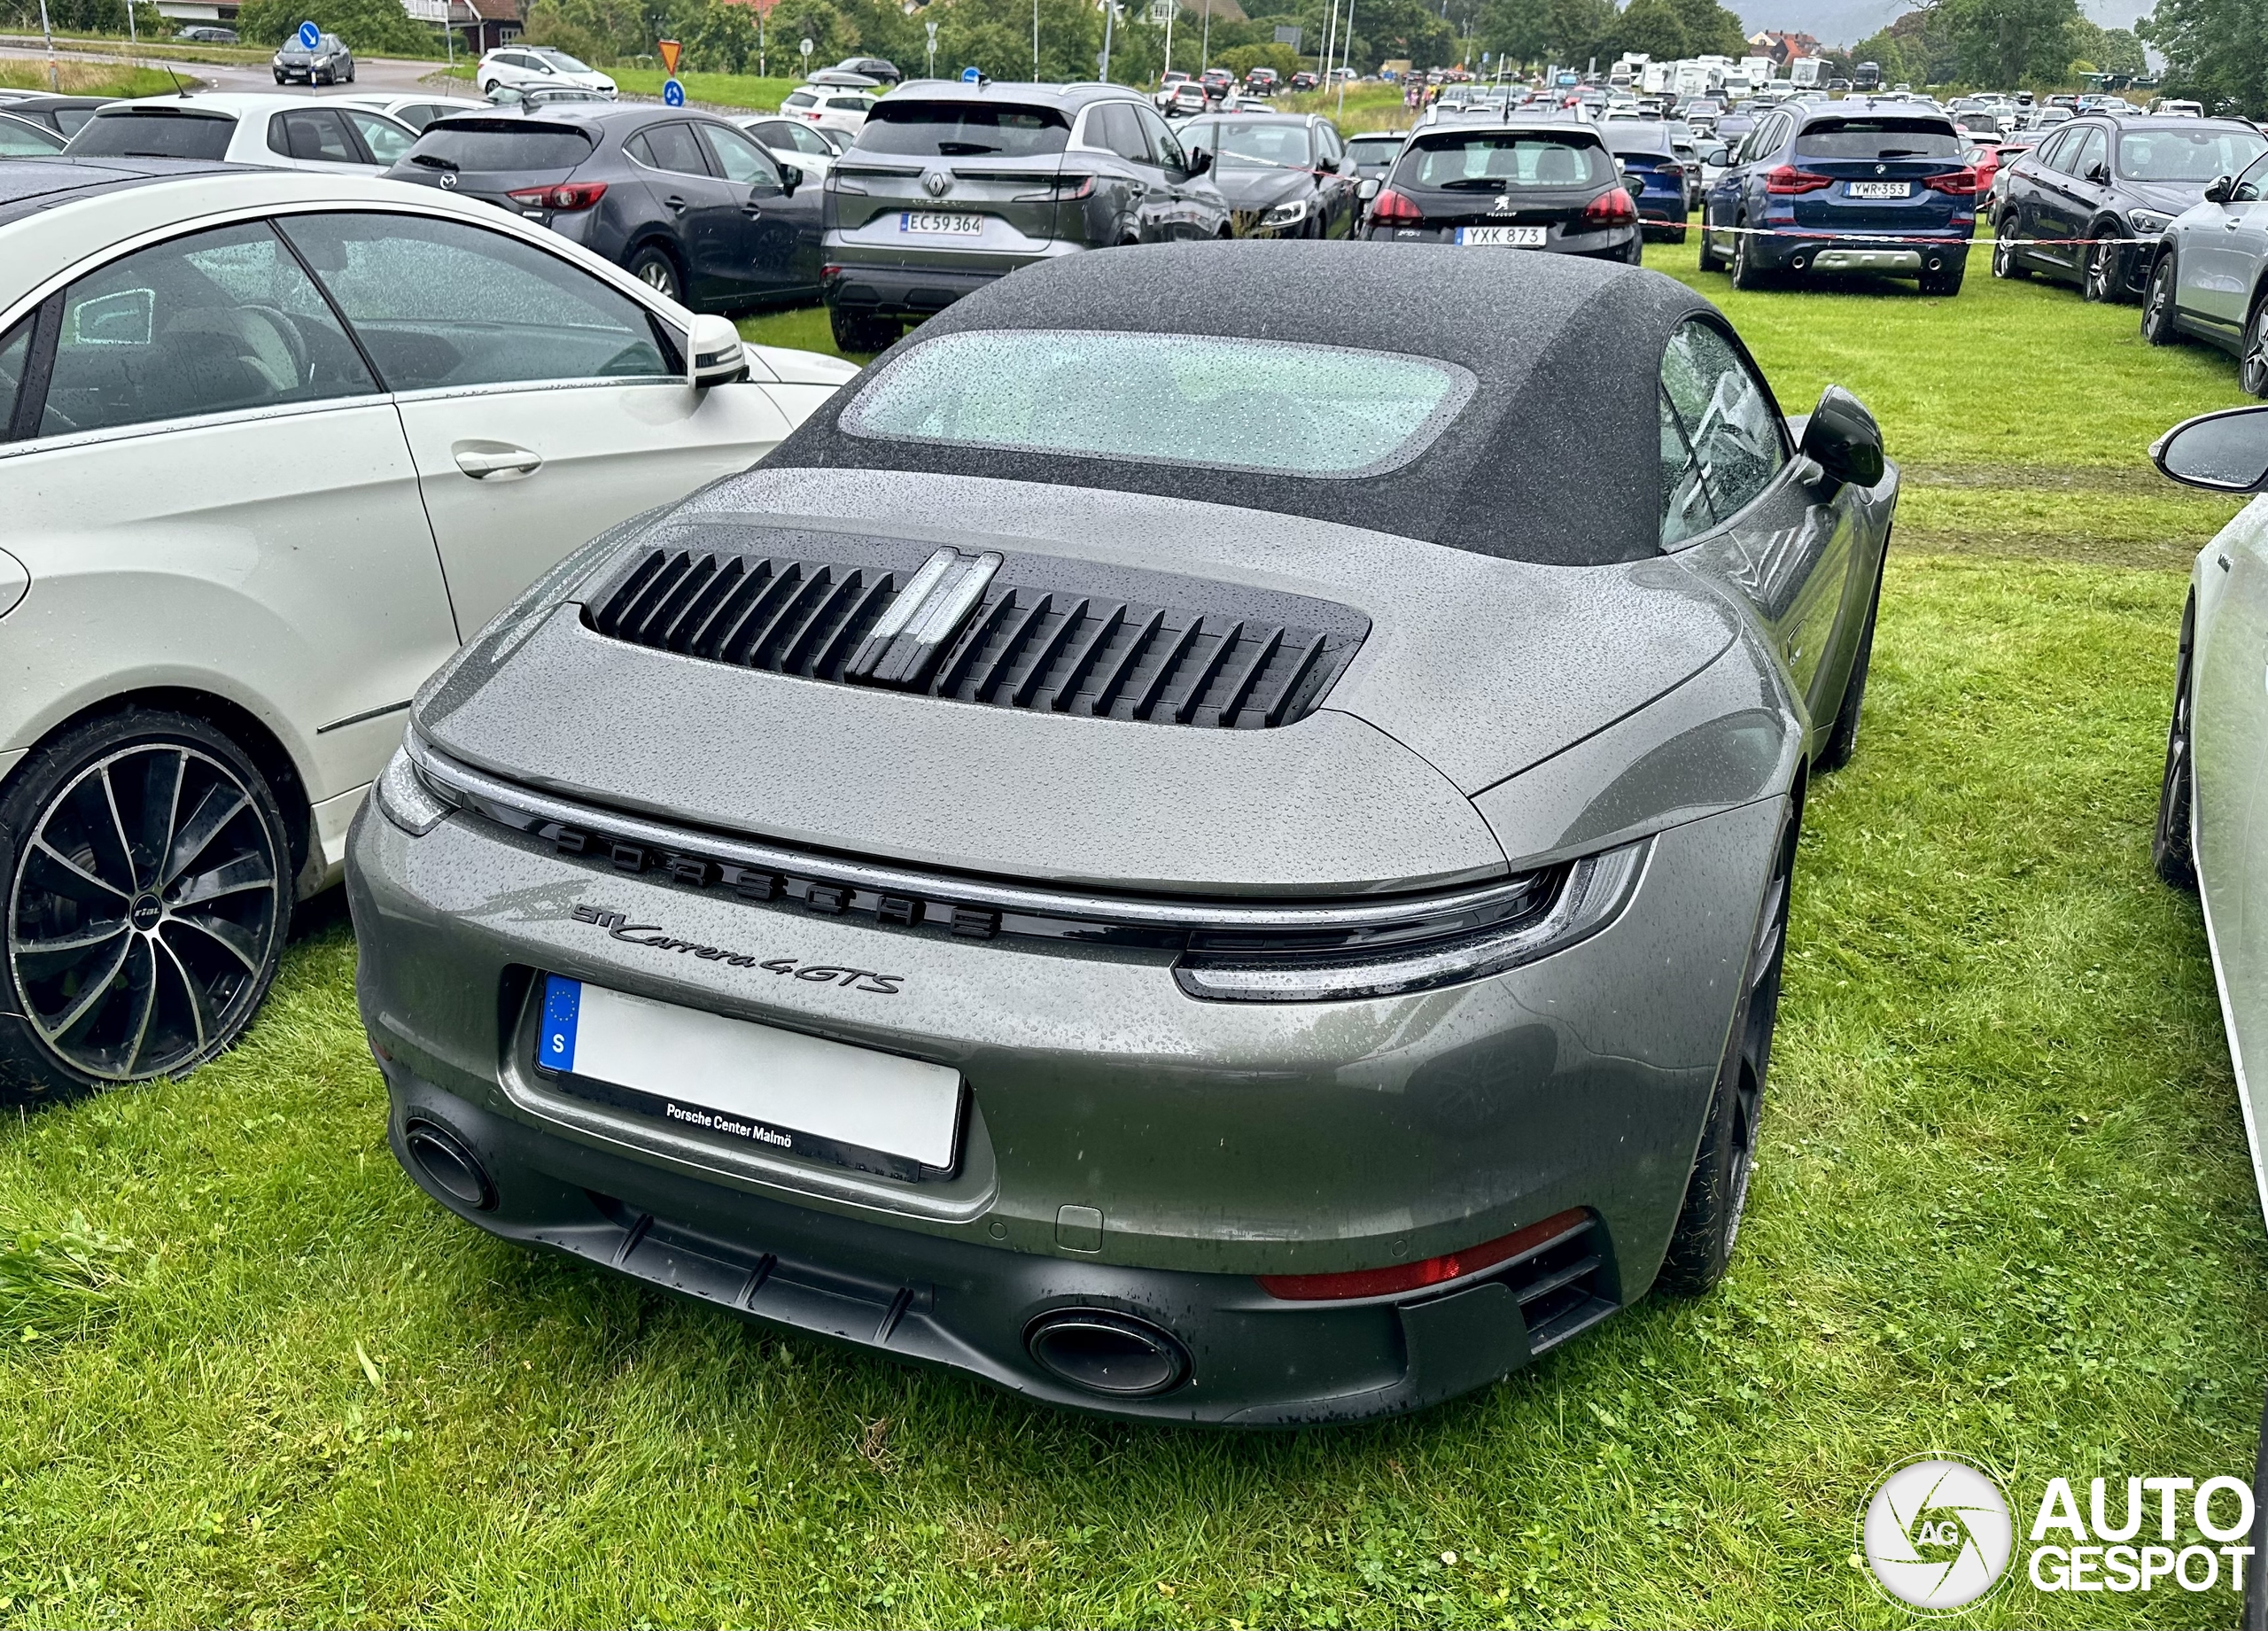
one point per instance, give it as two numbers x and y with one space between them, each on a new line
672 93
970 76
310 36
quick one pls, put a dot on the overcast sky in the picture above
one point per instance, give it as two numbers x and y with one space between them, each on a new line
1847 22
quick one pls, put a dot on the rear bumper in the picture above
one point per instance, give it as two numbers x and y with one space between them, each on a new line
1126 1149
860 277
1813 249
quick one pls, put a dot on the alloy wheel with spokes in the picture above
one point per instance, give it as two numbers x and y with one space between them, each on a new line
147 907
2252 361
2157 304
2103 281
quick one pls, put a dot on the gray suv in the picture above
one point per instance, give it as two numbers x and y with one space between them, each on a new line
951 185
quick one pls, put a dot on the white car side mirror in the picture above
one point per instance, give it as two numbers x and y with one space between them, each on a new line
714 355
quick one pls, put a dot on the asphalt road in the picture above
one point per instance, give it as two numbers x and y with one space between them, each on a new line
372 74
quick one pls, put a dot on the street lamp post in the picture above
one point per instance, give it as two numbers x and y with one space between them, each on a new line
1204 54
54 82
1346 47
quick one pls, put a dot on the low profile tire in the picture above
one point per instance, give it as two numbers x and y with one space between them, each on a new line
2157 304
861 334
1708 256
1746 273
2100 280
279 78
1842 738
1708 1227
656 268
2005 263
149 890
2170 852
1675 235
2252 357
1945 284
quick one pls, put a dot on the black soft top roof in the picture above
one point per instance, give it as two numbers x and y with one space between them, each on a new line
27 185
1556 459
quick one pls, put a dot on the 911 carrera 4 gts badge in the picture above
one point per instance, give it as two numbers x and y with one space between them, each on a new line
654 937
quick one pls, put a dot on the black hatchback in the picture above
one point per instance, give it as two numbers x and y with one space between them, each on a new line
1542 185
685 202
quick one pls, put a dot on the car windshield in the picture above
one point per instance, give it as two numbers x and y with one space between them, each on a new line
1250 144
1172 399
499 145
962 129
1492 159
1878 139
2186 155
561 61
150 133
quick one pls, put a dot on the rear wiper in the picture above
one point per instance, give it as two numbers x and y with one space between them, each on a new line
962 149
1899 153
433 161
1473 184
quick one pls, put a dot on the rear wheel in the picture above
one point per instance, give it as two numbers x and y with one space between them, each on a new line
2005 263
2103 281
1746 273
1945 283
2252 360
2157 304
148 893
2170 851
1710 262
656 268
1716 1195
865 335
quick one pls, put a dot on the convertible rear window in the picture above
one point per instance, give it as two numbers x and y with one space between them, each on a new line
2186 155
1172 399
1878 139
1481 159
962 129
501 144
151 133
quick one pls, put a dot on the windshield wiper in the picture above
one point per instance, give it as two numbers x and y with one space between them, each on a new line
433 161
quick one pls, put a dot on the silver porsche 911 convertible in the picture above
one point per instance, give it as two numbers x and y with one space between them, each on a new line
1209 840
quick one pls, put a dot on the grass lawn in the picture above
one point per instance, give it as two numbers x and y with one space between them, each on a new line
2003 1209
88 78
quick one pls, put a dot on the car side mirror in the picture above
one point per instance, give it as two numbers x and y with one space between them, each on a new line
1843 439
2226 452
1200 161
2098 172
790 178
1369 188
2218 190
714 355
1716 155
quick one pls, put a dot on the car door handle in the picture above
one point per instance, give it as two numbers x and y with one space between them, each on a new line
482 460
675 203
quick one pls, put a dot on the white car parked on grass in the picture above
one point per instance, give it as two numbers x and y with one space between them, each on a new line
271 445
533 67
278 132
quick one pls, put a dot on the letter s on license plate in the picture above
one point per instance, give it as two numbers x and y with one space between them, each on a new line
1502 237
1879 189
957 224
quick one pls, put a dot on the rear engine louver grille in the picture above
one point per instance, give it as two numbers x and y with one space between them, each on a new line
1025 644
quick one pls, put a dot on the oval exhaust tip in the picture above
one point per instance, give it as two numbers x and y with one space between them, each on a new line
1105 1352
446 1162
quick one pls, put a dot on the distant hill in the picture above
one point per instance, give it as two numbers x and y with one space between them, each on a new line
1847 22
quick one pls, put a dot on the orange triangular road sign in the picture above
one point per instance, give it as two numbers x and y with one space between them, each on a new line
671 51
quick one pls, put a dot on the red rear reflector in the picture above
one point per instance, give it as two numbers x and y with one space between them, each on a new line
1961 182
1391 206
1413 1276
566 196
1787 178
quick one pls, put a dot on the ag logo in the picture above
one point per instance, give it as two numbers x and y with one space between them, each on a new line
1936 1534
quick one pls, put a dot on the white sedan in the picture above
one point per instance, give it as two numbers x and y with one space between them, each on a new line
272 444
538 68
276 132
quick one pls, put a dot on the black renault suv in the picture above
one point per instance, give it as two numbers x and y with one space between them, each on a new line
949 185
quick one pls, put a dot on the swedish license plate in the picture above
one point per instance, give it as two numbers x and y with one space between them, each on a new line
1502 237
738 1082
955 224
1879 189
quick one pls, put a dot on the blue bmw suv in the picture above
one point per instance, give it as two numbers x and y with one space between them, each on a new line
1849 186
